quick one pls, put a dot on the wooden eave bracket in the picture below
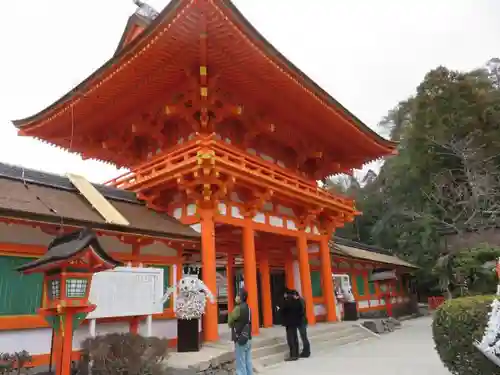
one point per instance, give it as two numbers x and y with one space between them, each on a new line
109 213
252 207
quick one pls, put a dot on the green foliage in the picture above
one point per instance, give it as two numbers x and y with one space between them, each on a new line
123 354
457 324
13 363
445 177
316 283
470 271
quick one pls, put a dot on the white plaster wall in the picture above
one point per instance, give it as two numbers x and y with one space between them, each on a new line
82 332
319 309
161 328
37 341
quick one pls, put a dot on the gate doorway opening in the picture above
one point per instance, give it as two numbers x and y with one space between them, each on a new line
278 283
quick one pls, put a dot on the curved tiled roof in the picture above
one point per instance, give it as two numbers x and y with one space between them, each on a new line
166 16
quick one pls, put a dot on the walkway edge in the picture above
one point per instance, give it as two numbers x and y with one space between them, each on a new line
370 331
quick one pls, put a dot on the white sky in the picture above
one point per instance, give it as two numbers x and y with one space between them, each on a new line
368 54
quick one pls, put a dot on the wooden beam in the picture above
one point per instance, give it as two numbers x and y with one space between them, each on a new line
97 200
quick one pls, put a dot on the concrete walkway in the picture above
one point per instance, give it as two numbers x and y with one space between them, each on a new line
408 351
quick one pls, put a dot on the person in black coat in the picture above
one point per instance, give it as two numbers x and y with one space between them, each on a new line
292 314
306 346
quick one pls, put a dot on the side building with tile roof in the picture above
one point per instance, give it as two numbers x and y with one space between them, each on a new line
36 206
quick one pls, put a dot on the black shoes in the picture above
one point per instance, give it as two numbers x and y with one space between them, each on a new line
302 355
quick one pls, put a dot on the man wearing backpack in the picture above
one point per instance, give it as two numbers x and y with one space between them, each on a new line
240 322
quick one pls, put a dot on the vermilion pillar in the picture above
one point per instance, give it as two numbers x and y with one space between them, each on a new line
57 350
230 278
265 283
326 276
250 273
289 276
305 277
66 332
179 265
208 262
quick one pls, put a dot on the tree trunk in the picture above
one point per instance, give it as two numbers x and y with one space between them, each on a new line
448 294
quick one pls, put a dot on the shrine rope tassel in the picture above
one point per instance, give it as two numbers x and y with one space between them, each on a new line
190 297
490 343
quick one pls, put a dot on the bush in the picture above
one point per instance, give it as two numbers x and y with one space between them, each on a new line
123 354
13 363
457 324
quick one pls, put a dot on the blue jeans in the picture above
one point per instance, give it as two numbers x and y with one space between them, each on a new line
243 354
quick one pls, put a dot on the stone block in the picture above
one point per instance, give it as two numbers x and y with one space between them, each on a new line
375 325
395 322
215 362
389 325
226 357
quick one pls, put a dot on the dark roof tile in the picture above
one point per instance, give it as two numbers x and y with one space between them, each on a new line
68 245
30 192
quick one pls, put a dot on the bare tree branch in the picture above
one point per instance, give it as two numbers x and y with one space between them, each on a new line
466 198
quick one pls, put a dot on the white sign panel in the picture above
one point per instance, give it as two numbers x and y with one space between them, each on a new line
127 291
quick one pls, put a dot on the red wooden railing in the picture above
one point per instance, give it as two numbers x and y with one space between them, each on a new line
232 158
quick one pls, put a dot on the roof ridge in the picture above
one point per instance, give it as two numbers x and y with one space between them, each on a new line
361 246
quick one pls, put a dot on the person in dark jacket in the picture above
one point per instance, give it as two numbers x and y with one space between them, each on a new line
292 316
306 346
240 322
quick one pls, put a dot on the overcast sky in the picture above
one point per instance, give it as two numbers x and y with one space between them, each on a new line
368 54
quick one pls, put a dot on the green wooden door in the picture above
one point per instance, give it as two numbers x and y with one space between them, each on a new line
371 287
360 285
19 294
316 284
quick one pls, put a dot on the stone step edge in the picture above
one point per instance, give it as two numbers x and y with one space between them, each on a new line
338 344
326 336
263 369
262 343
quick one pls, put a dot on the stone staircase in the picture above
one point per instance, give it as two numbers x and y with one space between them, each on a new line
268 352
